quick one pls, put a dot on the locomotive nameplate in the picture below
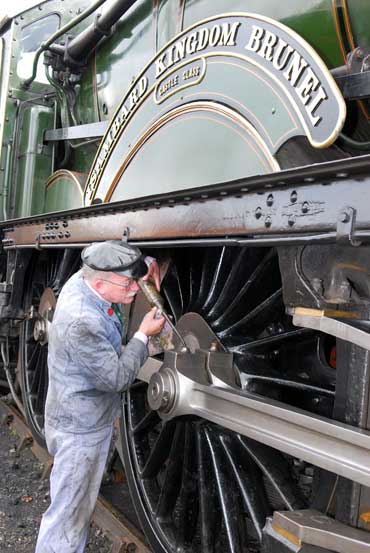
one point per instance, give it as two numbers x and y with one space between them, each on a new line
270 51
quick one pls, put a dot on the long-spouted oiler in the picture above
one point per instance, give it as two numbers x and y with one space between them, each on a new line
156 300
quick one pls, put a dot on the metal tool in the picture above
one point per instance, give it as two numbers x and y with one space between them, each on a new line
156 300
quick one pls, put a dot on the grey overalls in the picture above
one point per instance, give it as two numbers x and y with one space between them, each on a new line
87 370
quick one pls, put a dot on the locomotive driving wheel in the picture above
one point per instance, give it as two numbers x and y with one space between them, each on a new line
48 273
196 485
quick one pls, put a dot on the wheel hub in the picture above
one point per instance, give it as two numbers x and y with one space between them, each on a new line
44 316
40 331
161 391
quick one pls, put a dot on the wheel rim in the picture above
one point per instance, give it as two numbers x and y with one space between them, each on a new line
48 273
198 487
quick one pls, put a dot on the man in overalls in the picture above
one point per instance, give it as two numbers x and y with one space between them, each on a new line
88 368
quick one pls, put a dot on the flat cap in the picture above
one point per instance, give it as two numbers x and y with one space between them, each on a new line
115 256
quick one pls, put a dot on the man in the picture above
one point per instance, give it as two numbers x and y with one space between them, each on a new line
87 371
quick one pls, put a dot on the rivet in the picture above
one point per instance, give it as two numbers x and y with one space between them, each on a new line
270 200
291 220
268 222
258 213
293 197
305 207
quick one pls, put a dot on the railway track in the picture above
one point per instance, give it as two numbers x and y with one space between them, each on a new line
126 538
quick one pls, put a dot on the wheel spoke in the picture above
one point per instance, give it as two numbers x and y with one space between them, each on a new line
231 286
159 452
172 480
259 317
65 268
147 423
245 298
219 277
188 500
33 359
276 471
229 507
208 269
195 274
272 341
251 490
36 371
43 380
172 292
208 506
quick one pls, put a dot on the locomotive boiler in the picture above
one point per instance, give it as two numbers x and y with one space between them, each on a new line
230 139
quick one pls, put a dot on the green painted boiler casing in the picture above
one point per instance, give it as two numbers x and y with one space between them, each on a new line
331 27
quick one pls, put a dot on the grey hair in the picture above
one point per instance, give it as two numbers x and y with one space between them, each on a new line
92 274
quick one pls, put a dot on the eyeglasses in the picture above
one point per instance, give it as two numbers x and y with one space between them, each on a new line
126 286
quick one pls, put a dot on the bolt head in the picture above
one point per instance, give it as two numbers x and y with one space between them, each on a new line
305 207
344 217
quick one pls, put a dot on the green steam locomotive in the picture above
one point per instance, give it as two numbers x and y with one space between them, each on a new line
228 139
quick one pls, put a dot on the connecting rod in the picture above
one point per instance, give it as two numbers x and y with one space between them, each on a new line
199 384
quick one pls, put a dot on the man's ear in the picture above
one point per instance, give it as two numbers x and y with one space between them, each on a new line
98 285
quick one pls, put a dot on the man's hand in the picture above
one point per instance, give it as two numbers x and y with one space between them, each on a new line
153 274
150 325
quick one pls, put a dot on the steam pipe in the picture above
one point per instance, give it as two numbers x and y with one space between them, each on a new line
45 45
83 44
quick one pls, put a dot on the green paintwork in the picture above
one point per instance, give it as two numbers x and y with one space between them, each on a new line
118 61
34 161
187 137
121 58
63 192
183 145
312 19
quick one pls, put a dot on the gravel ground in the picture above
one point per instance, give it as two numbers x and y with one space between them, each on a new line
24 497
